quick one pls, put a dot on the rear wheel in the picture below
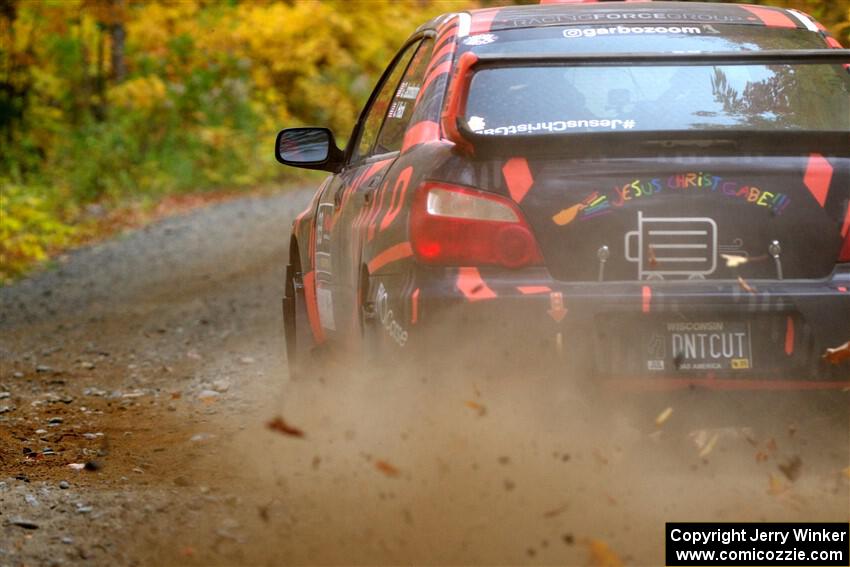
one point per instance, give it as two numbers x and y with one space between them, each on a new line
296 326
370 343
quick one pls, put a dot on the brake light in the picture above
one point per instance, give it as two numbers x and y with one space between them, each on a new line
455 226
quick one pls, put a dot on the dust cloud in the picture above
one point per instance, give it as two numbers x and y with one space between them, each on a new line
443 462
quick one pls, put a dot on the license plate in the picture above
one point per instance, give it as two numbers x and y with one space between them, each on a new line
699 346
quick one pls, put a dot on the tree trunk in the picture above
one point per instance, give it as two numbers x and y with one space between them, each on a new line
118 34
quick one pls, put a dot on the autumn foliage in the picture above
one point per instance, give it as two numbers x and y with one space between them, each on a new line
108 101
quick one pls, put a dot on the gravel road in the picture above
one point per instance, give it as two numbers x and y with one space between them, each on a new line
154 361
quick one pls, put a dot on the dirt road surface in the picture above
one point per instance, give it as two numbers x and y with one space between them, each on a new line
155 361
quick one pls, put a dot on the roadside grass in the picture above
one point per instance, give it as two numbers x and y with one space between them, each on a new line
37 226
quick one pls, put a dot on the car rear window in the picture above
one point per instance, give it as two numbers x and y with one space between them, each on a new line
563 99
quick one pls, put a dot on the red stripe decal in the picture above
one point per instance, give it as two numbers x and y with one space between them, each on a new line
482 20
771 18
448 48
312 306
443 67
470 284
363 213
419 133
646 293
391 254
377 211
448 24
518 177
832 42
395 205
414 306
356 182
789 336
533 289
845 230
818 177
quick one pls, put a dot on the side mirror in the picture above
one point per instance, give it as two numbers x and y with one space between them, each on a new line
309 148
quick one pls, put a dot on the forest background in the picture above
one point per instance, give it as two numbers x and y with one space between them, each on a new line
113 112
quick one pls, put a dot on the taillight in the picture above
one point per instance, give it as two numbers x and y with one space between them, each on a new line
452 225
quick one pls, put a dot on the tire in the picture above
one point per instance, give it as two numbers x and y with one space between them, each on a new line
297 334
372 358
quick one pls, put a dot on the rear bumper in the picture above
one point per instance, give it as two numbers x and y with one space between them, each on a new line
600 329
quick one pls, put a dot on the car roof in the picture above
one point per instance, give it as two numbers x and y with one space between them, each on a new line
627 12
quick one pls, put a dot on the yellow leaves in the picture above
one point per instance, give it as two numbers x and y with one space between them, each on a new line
153 24
29 229
143 93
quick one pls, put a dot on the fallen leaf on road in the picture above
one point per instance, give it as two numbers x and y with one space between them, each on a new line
663 417
601 555
176 395
838 354
278 424
480 408
745 286
386 468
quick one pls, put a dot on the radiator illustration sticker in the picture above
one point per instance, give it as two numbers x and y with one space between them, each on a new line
672 246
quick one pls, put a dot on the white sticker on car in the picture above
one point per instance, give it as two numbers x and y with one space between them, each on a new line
480 39
325 302
637 30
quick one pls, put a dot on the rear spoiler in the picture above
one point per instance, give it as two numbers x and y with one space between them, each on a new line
457 131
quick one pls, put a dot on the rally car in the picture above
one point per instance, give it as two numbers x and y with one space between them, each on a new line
656 192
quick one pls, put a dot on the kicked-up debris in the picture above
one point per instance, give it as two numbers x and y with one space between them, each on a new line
663 416
837 355
386 468
279 424
480 409
745 286
791 468
775 485
601 554
555 511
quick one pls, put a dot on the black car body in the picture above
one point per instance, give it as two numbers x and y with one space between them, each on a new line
658 192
